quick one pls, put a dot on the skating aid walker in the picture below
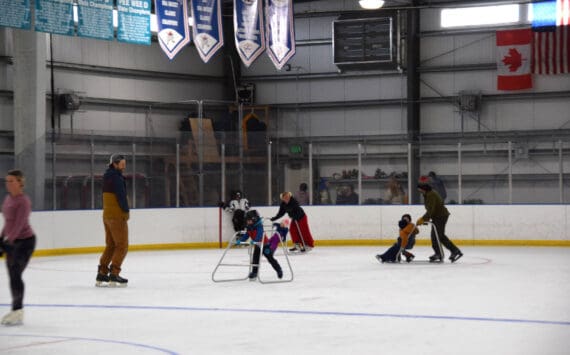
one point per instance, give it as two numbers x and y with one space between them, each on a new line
234 257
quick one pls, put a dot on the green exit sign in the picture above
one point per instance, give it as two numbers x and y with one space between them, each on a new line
296 149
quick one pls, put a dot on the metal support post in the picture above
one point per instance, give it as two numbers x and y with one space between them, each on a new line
359 173
410 186
310 173
459 175
177 175
561 172
269 179
134 199
510 173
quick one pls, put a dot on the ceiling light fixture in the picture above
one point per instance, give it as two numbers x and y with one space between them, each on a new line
371 4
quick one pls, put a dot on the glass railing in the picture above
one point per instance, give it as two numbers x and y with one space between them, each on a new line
179 171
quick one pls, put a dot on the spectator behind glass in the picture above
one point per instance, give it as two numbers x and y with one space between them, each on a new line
347 196
302 194
395 193
438 185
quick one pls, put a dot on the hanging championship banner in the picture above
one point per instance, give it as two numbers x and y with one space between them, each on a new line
95 19
172 19
207 28
134 21
55 16
248 29
280 31
15 13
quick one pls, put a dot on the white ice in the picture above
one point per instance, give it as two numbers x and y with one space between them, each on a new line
495 300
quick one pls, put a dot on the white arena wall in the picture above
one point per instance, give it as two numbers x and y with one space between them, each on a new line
61 232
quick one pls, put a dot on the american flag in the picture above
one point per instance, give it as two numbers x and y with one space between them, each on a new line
551 37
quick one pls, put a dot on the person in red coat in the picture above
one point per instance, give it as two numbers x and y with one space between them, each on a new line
300 232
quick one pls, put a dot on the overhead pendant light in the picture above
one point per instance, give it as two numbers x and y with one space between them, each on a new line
371 4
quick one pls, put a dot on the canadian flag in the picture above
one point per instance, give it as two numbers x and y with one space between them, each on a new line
513 59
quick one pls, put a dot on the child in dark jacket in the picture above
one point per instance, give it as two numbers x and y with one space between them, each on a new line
254 229
405 241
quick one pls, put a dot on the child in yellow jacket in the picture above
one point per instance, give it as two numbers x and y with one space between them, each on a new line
405 241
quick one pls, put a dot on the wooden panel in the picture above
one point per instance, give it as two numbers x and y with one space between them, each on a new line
211 150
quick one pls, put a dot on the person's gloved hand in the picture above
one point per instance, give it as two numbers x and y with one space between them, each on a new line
221 204
420 221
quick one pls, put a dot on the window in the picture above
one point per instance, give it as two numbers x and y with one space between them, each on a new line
480 16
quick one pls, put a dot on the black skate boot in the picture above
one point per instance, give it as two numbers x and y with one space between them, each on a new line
295 248
280 274
409 257
455 256
117 281
435 258
252 276
102 279
380 259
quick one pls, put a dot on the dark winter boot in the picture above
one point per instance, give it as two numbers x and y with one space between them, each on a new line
102 279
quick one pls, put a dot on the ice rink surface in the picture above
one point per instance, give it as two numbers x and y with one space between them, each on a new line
495 300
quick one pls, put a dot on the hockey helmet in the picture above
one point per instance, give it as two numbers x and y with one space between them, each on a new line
252 215
237 195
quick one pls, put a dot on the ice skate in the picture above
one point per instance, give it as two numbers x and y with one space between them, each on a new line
117 281
14 318
409 257
252 276
102 280
295 248
455 256
379 258
435 259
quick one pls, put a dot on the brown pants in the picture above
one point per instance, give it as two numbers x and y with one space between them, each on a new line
116 245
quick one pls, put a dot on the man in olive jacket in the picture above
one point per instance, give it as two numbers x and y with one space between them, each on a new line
115 217
438 214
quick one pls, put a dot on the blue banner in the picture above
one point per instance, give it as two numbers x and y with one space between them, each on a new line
134 21
55 16
95 19
249 30
280 31
544 14
207 28
173 31
15 13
